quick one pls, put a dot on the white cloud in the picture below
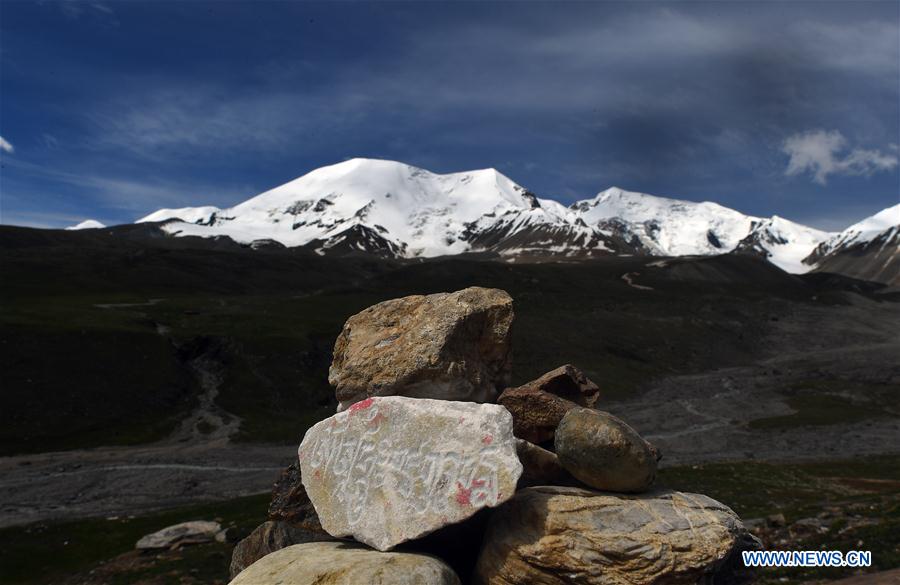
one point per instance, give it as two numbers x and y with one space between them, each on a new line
6 146
135 196
75 9
824 152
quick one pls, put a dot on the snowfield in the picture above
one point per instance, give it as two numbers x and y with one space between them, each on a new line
397 210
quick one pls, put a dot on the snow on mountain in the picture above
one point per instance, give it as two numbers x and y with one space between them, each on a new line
782 242
400 206
869 249
863 231
185 214
669 227
88 224
397 210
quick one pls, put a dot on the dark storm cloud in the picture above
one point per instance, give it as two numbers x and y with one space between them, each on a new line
694 100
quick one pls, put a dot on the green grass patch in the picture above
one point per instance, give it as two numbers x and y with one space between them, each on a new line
866 488
755 489
830 401
43 553
78 376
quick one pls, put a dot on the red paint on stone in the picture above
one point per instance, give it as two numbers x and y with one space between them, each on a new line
487 439
463 495
361 405
318 474
478 483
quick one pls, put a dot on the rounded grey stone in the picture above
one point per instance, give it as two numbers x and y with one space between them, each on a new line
603 452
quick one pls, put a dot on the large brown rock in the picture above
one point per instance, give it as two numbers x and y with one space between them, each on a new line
267 538
559 535
290 502
567 382
538 406
603 452
449 346
340 563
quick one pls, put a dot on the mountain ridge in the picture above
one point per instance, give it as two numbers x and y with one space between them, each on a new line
392 209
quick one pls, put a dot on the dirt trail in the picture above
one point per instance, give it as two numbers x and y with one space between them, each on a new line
208 422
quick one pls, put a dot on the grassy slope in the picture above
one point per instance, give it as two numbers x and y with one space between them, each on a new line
862 489
48 553
77 375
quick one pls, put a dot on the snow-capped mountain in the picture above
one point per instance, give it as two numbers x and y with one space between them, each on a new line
782 242
396 210
869 249
370 205
88 224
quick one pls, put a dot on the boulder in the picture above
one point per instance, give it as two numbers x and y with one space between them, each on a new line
535 414
267 538
538 406
339 563
556 535
540 466
603 452
196 532
391 469
567 382
290 502
449 346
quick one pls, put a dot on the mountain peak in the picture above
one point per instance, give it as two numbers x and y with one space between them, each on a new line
391 208
88 224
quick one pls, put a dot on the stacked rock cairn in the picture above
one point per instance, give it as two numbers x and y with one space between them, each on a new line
433 471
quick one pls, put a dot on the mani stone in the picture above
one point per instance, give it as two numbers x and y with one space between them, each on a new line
603 452
391 469
265 539
538 406
196 532
340 563
555 535
451 346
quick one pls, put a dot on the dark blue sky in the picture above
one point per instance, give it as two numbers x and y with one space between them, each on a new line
110 110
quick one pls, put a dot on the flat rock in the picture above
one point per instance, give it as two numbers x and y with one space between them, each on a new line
539 406
338 563
196 532
391 469
267 538
603 452
556 535
450 346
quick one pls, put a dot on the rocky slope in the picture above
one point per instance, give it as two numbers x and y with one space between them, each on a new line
395 210
869 249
